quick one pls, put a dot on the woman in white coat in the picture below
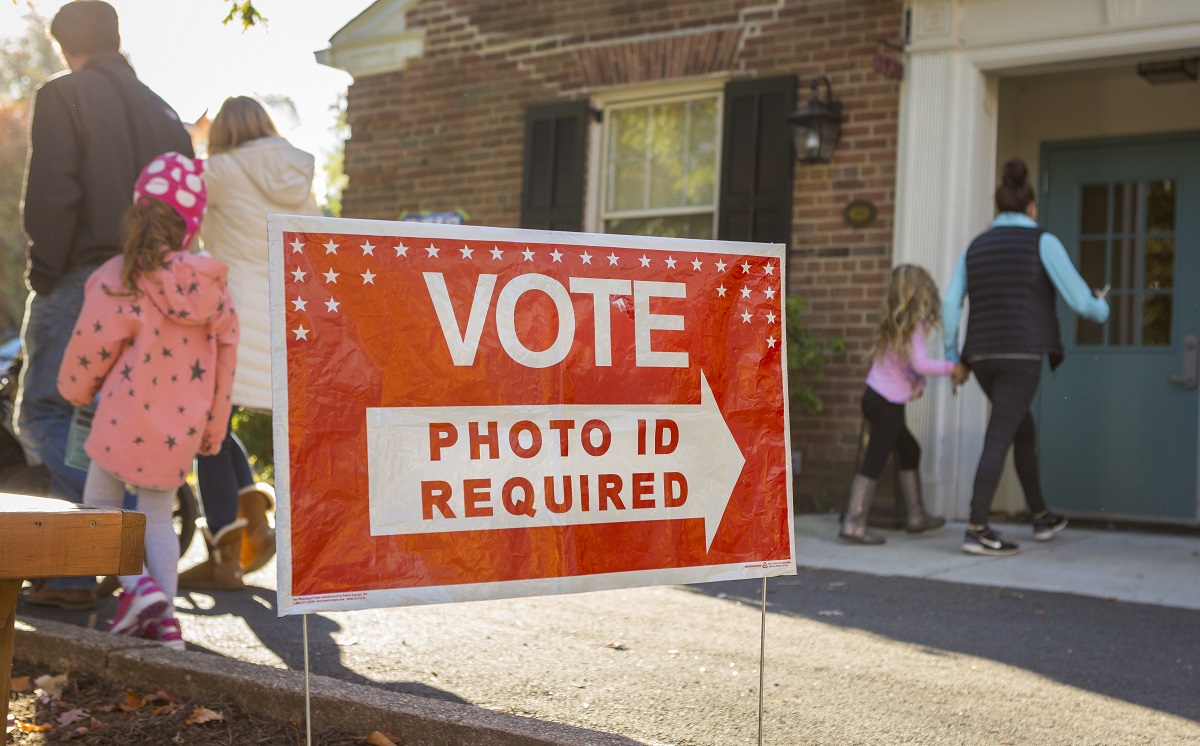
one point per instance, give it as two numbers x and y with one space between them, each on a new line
251 172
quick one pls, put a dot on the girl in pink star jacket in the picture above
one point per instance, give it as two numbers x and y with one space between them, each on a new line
157 341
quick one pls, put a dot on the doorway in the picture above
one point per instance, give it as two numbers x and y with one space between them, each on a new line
1120 420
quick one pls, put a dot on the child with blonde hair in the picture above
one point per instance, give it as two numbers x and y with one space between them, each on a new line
155 347
911 310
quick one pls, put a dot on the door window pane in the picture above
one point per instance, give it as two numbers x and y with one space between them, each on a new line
1156 321
1160 211
1125 207
1160 263
1092 257
1093 211
1127 239
1124 264
1120 321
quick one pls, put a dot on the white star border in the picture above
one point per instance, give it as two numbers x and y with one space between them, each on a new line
739 283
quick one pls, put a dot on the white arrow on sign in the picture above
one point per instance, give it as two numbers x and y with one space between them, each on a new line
453 469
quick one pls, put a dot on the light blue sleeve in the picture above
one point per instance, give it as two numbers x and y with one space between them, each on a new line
1068 281
952 308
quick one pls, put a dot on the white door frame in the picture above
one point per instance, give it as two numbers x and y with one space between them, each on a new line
945 177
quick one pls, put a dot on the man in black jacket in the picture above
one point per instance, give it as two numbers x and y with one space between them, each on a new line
93 130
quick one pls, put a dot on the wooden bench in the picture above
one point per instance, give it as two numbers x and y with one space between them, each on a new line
45 538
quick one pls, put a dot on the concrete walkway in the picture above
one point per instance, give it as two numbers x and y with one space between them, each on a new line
1148 568
910 642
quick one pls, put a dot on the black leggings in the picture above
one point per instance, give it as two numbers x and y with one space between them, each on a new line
888 433
1010 385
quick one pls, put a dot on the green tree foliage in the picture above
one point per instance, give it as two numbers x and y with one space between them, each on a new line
25 61
335 173
807 355
244 13
253 428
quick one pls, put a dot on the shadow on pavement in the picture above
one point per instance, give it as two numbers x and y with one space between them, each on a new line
283 636
1142 654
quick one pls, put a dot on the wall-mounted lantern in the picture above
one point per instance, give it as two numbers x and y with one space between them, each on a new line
817 125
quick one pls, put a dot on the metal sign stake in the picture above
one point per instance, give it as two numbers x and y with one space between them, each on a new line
762 658
308 699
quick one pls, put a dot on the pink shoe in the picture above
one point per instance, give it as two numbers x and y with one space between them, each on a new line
138 609
168 633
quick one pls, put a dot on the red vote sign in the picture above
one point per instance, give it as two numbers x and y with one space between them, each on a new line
465 413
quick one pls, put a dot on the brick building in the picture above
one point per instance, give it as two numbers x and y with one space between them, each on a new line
564 114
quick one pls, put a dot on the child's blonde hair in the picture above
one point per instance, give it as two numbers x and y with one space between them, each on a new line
911 300
152 231
241 119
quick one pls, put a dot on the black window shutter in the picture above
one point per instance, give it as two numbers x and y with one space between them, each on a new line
756 161
555 149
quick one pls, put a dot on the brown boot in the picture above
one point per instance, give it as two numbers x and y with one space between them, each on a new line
918 519
854 520
258 540
222 571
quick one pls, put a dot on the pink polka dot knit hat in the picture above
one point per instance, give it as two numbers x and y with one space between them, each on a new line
177 180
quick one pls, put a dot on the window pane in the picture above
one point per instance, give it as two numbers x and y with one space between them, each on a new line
1091 262
702 136
1124 265
1093 212
1160 263
1120 321
1125 207
629 186
667 125
1156 321
1160 207
673 226
699 185
662 157
629 134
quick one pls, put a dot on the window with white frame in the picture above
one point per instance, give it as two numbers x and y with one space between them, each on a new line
661 166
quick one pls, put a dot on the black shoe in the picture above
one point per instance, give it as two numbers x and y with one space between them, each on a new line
1047 526
988 542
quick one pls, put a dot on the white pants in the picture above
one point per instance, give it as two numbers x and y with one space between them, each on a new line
104 490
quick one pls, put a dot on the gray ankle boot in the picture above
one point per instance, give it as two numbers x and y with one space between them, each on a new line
918 519
854 520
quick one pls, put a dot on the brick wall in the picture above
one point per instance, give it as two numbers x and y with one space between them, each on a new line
447 133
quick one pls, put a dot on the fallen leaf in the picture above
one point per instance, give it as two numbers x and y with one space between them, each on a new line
378 739
161 696
21 684
616 646
31 728
71 716
132 702
203 715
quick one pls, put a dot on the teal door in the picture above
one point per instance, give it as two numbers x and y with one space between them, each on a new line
1118 422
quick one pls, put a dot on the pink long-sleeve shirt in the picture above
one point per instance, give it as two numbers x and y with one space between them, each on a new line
162 362
896 380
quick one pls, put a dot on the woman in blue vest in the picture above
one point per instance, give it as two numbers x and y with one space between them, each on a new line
1012 272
